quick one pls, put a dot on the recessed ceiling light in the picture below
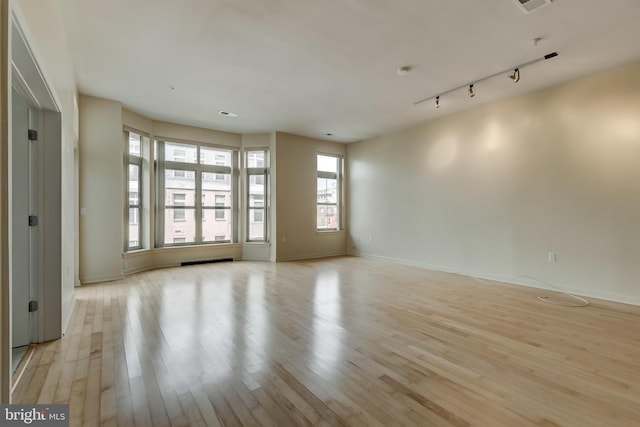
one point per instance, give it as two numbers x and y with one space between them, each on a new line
227 113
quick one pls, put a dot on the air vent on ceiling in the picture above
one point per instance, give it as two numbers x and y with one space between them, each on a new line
528 6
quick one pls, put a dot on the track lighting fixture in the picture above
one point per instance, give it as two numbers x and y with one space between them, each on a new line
515 76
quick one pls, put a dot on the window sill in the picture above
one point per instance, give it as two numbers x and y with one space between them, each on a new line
136 252
333 231
195 246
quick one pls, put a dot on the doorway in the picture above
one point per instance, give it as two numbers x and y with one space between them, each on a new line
39 249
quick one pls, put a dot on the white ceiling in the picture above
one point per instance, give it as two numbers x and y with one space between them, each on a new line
313 67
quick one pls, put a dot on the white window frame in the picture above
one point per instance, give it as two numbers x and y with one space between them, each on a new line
257 172
338 205
133 160
198 168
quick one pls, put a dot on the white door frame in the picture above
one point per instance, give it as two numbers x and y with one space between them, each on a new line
18 67
23 238
27 76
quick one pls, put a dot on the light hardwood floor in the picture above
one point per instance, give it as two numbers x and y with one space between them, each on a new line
341 341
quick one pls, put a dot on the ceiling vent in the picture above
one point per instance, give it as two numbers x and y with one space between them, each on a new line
528 6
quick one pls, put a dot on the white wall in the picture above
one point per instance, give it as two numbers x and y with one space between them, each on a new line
489 192
5 135
101 151
296 233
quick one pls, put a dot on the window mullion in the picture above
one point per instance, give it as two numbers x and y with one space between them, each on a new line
198 204
160 190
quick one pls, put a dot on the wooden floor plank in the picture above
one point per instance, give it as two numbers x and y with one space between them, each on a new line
338 341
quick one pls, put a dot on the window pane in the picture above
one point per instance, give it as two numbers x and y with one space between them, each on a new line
327 163
213 156
214 226
256 201
256 224
256 216
179 214
255 159
134 144
134 184
220 201
212 187
134 173
179 223
256 180
179 197
176 152
134 199
180 178
134 227
327 190
134 216
327 217
180 191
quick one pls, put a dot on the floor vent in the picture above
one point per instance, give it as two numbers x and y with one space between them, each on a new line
528 6
205 261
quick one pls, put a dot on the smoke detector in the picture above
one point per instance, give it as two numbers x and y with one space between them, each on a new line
528 6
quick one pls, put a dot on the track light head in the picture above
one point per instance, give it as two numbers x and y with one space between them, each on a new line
515 76
472 92
438 101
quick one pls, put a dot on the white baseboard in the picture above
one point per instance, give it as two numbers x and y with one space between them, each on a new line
256 258
520 281
66 316
311 256
97 279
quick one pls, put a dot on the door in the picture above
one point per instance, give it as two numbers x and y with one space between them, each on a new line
21 234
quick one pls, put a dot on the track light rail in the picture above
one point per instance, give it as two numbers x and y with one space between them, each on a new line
470 84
